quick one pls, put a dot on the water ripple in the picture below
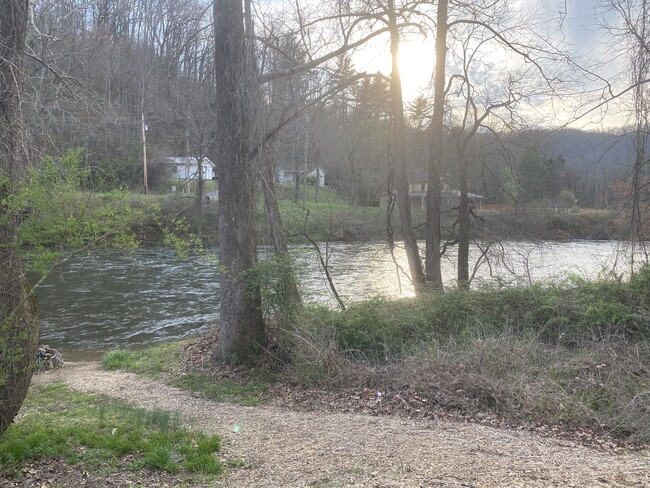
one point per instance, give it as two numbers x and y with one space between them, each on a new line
116 300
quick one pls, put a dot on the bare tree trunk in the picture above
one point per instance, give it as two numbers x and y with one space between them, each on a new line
432 260
18 321
276 230
305 161
639 204
398 154
353 198
296 167
241 330
463 224
199 195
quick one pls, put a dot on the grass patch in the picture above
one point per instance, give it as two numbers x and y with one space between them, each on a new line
159 361
569 314
103 435
152 361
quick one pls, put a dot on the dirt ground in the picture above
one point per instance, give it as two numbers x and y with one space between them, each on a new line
279 447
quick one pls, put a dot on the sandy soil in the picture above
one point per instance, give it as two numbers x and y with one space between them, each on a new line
285 448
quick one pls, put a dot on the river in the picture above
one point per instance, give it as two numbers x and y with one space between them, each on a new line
100 302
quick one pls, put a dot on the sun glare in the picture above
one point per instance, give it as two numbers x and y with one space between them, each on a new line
416 60
416 67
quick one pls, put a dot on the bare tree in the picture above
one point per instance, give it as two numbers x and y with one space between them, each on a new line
483 100
433 251
631 32
18 321
398 153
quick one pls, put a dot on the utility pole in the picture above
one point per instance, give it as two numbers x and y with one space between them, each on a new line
144 153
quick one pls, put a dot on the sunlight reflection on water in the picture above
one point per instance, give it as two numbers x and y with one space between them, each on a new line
112 300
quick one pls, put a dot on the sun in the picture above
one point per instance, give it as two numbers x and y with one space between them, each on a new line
416 61
416 64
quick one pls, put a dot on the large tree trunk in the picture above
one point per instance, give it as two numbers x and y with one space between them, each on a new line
432 260
399 155
241 330
18 322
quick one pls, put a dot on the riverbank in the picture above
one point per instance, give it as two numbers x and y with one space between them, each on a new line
571 361
332 219
520 372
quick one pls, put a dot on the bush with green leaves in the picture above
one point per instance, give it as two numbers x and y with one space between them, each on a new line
58 218
566 314
575 354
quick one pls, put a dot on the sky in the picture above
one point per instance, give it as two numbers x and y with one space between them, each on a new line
589 40
580 31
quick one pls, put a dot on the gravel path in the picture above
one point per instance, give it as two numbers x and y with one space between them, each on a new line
284 448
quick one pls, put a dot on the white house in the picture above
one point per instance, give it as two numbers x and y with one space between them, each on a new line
187 168
288 175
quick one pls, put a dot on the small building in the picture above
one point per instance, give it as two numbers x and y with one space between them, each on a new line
187 167
418 181
418 187
288 175
212 196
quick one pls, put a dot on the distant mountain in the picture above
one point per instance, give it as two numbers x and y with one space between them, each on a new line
584 150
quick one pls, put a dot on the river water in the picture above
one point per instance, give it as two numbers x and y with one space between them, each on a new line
111 300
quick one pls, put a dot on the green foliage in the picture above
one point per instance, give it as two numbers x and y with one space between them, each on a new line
640 285
508 190
566 314
566 199
274 278
540 175
180 245
97 432
56 217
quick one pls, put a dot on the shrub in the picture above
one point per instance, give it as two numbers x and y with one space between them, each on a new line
565 314
575 355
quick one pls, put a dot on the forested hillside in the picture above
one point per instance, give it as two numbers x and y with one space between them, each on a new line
100 72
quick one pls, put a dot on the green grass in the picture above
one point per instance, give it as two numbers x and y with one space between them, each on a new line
326 197
103 435
336 223
159 361
152 361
